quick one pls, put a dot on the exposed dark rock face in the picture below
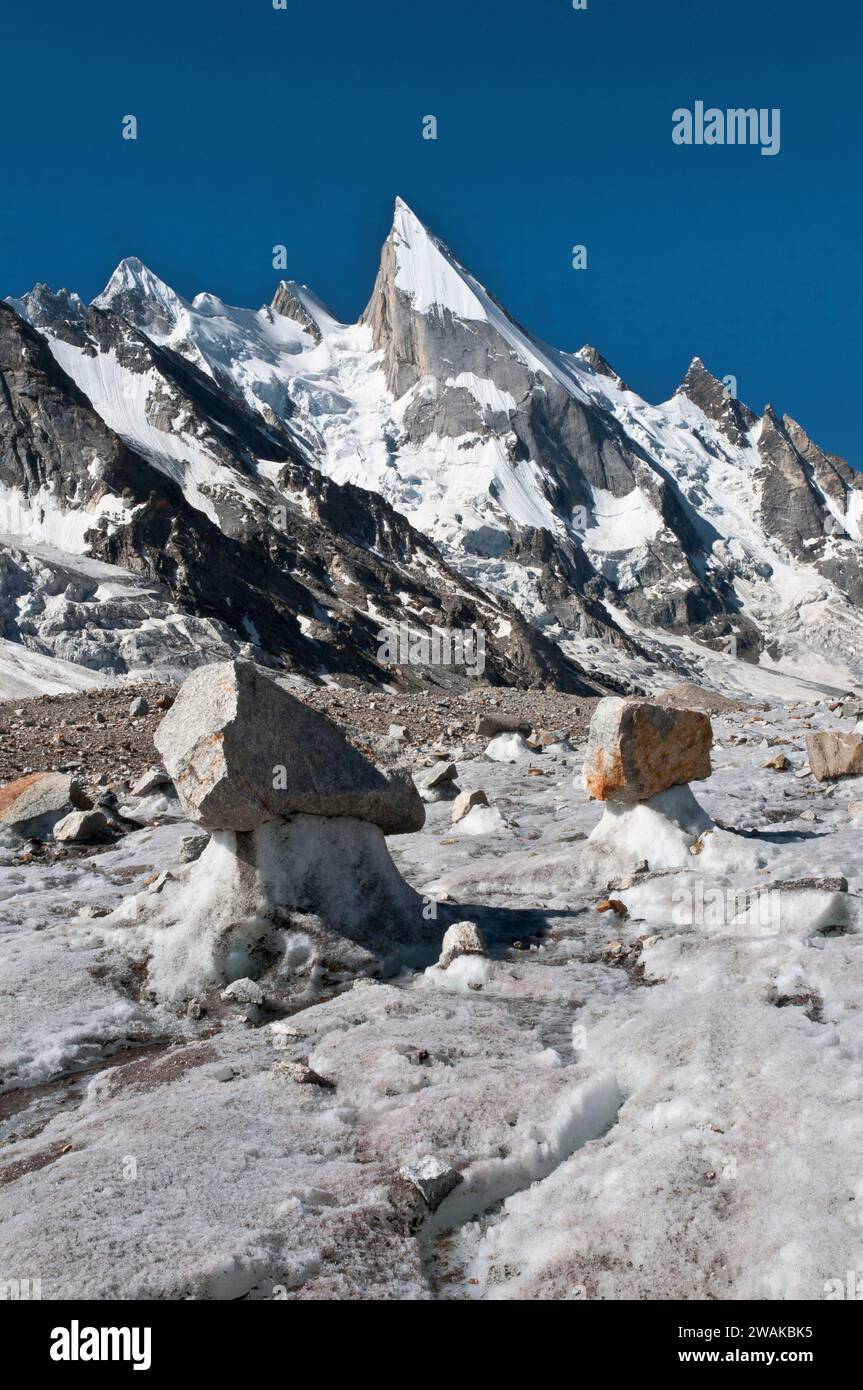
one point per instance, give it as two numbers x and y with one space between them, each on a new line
790 506
601 364
291 303
582 448
805 497
702 388
43 305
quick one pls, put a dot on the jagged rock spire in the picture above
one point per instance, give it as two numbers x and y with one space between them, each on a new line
136 293
42 305
600 364
713 398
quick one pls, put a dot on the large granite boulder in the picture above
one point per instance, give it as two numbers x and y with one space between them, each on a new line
32 805
833 754
637 748
242 751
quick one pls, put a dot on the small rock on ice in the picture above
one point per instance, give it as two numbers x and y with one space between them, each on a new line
191 848
302 1074
151 780
461 939
431 778
488 725
80 826
33 804
465 801
433 1179
243 991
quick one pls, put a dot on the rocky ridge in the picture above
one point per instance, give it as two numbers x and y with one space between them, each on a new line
472 474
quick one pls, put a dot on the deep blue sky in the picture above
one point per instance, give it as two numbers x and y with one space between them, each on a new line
259 126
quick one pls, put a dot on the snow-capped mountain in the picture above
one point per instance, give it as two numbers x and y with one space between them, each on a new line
117 450
433 463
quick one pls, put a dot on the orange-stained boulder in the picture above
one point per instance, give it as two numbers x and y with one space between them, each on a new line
637 748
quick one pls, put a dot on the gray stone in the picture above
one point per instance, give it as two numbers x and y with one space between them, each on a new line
831 886
139 708
243 991
433 1179
300 1073
487 725
191 848
34 804
559 750
465 801
832 883
160 882
160 807
461 939
551 738
778 763
241 751
80 826
429 778
833 754
150 781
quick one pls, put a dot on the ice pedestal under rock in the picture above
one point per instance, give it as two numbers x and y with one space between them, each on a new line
507 748
468 972
481 820
661 830
640 758
296 887
295 904
805 908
